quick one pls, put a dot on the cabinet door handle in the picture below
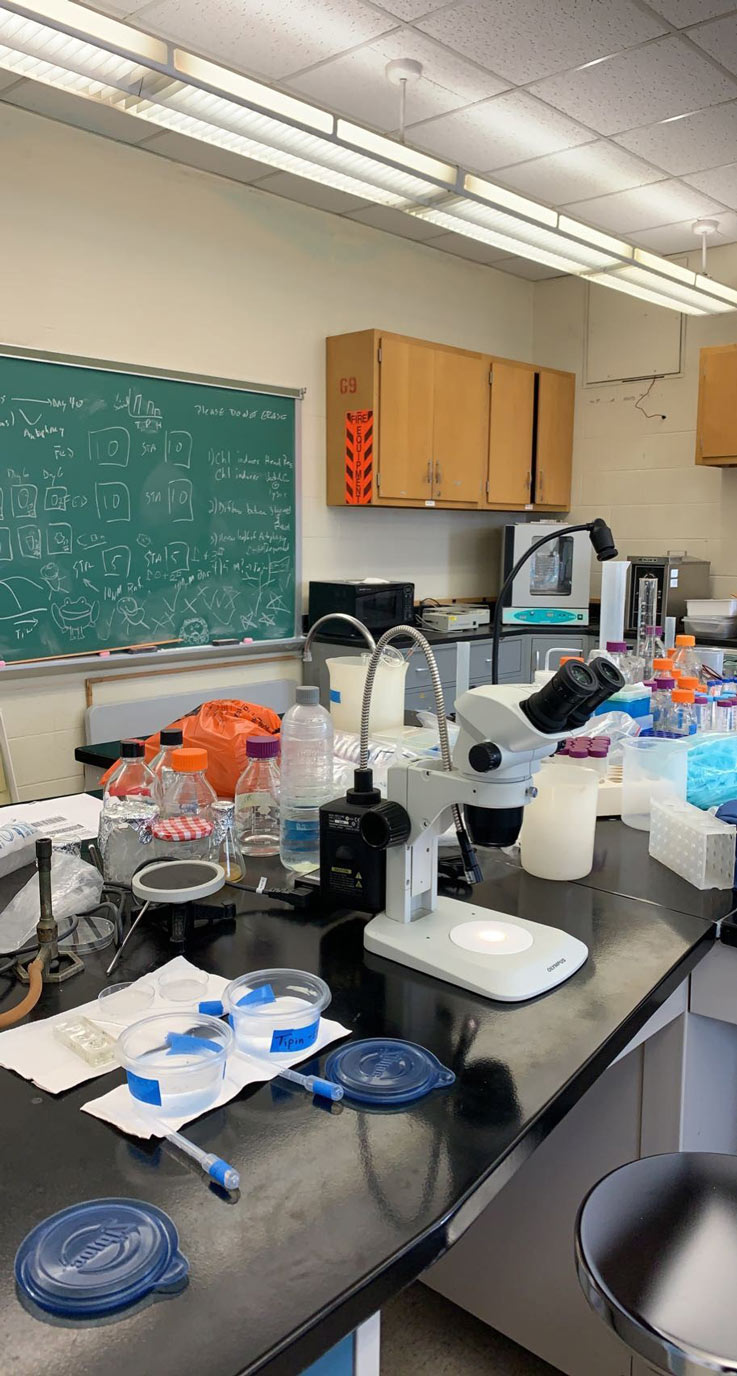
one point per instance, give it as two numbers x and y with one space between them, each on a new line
438 473
541 476
529 482
428 479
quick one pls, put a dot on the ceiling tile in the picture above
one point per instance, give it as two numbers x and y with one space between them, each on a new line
266 37
71 109
679 238
523 40
683 12
690 143
523 267
654 82
720 182
646 206
508 129
311 193
206 156
594 169
719 39
395 222
412 9
467 248
355 84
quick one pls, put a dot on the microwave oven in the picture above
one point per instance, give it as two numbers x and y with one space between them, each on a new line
552 588
378 605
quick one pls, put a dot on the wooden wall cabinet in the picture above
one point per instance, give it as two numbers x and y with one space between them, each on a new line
716 424
412 423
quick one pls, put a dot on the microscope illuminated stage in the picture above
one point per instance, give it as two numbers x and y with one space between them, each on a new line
505 733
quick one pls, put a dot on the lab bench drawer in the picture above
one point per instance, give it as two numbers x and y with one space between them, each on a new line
423 699
514 661
556 646
418 672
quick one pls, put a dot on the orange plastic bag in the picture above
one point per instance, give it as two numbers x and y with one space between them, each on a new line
222 728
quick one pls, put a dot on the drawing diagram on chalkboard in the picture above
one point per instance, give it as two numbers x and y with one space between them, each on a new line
116 562
75 617
6 548
29 542
21 603
133 614
180 500
59 538
178 448
177 558
194 631
145 415
23 499
113 502
111 448
55 499
52 575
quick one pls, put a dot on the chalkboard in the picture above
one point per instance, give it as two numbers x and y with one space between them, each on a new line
142 508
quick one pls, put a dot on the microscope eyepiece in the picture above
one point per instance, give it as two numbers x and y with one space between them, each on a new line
551 708
609 680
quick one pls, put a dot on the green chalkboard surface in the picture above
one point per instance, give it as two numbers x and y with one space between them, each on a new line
138 508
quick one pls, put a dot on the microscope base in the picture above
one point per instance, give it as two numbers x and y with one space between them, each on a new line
502 957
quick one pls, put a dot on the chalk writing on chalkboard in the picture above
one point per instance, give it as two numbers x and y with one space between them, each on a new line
141 509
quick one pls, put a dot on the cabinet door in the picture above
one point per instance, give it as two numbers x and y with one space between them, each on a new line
554 450
510 435
461 427
717 424
406 374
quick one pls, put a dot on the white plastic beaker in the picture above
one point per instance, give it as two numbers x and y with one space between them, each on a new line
348 680
559 825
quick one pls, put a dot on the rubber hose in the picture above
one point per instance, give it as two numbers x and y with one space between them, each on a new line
35 985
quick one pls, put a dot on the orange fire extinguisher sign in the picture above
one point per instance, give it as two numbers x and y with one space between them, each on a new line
359 457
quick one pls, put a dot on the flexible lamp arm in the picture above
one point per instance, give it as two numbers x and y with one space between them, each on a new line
603 542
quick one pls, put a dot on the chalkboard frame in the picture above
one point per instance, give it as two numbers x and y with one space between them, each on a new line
297 394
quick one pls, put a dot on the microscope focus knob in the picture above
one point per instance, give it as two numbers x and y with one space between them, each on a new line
484 756
387 824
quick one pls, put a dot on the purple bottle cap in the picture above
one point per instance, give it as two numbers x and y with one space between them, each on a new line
664 684
262 747
579 750
598 750
617 646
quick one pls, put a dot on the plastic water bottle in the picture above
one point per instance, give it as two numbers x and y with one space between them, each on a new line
306 779
130 807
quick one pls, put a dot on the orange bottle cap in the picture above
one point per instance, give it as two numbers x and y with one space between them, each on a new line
564 659
689 683
662 664
682 695
676 672
685 640
189 760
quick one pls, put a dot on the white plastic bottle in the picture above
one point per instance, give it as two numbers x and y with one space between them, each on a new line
306 779
130 806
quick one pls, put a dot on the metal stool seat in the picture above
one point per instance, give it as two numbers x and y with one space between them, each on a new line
656 1250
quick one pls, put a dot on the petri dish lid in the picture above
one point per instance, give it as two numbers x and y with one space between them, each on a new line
100 1256
91 934
386 1071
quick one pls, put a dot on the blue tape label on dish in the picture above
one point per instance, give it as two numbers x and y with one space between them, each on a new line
335 694
147 1091
294 1038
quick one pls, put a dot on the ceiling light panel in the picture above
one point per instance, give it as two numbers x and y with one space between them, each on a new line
411 158
508 243
38 52
110 32
717 289
521 233
649 286
222 79
510 200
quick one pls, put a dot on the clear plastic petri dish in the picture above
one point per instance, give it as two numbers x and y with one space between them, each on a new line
122 1003
183 986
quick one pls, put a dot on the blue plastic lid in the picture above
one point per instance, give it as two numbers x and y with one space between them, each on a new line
385 1071
100 1256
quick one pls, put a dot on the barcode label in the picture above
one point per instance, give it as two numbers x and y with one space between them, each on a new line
51 822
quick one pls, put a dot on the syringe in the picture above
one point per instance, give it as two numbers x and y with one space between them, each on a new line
214 1166
312 1083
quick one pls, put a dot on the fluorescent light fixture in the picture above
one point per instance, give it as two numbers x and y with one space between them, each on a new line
664 265
505 242
717 289
58 59
109 32
518 236
411 158
509 200
254 92
619 247
660 291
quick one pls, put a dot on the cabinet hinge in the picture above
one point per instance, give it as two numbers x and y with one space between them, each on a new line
378 353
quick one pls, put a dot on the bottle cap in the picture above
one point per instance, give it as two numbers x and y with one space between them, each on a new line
565 659
687 682
171 735
189 760
663 664
386 1072
132 750
685 640
617 646
307 695
664 685
700 697
683 695
98 1257
262 747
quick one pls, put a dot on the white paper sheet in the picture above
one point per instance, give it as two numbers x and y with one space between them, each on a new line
75 817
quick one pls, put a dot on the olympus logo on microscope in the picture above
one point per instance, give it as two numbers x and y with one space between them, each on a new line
556 963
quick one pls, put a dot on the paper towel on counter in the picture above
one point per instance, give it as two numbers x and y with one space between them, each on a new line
34 1052
123 1111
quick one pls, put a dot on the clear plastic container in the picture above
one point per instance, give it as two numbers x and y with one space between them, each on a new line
348 680
276 1013
175 1062
306 779
686 658
225 849
630 665
660 703
170 739
680 720
183 985
693 843
559 825
131 805
257 797
189 794
724 714
120 1003
651 769
647 606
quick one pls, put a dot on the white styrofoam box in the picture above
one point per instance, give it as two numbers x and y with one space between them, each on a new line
692 843
711 606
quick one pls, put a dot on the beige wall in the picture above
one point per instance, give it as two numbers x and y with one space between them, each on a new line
638 473
111 252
